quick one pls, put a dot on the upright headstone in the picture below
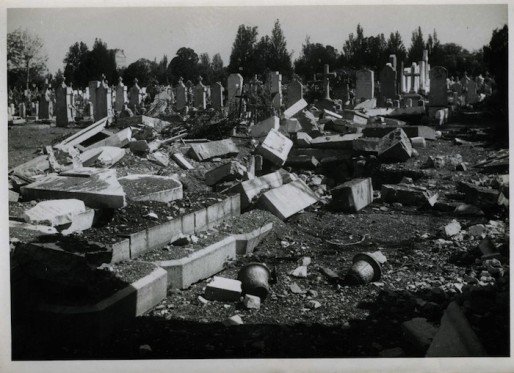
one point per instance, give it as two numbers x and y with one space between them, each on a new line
438 95
23 110
44 102
217 95
103 100
294 92
275 82
200 95
63 109
392 61
471 92
365 85
387 84
121 95
234 88
135 96
181 95
92 97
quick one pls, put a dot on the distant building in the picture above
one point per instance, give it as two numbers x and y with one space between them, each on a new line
121 59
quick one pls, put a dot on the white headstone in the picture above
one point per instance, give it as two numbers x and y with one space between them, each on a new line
365 85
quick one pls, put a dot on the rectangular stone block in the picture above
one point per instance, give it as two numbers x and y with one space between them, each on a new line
262 128
395 146
353 195
288 199
275 147
303 140
208 150
335 141
181 161
405 194
223 289
227 172
140 187
295 108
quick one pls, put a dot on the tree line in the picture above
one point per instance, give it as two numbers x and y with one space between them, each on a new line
252 56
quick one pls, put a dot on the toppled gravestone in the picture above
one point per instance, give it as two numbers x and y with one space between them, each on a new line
96 187
395 146
335 141
262 128
288 199
227 172
223 289
207 150
54 212
303 140
275 147
295 108
353 195
251 189
308 121
142 187
407 194
477 195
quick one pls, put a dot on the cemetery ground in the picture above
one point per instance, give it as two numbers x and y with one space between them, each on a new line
317 314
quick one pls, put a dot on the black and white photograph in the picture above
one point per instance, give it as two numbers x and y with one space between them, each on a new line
289 187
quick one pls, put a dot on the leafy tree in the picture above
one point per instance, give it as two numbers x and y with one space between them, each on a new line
242 56
417 46
76 69
219 73
313 58
496 56
360 51
395 46
25 57
160 70
100 61
279 59
184 64
205 68
141 69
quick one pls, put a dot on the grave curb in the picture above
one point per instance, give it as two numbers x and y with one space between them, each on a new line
200 265
247 242
133 300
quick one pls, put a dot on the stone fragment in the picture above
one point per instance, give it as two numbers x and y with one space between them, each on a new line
467 209
296 289
109 156
313 304
139 146
367 145
395 146
275 147
405 194
303 139
54 212
252 302
295 108
419 334
207 150
418 142
308 121
223 289
477 195
452 228
477 230
99 190
288 199
159 158
251 189
353 195
227 172
13 196
262 128
300 271
305 261
291 125
233 320
181 161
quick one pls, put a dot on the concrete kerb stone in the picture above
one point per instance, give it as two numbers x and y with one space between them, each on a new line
200 264
124 305
247 242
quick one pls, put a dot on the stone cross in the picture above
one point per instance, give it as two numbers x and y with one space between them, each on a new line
121 95
326 80
412 75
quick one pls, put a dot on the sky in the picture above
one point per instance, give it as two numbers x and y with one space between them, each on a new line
149 32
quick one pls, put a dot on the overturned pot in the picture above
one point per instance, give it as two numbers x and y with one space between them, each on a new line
254 279
366 267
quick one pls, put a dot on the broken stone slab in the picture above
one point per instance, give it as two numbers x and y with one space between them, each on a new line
262 128
291 125
295 108
54 212
89 157
477 195
331 114
119 139
109 156
411 131
223 289
366 145
303 140
452 228
227 172
335 141
356 117
418 142
251 189
288 199
208 150
139 146
353 195
406 194
157 188
366 104
13 196
302 161
181 161
159 158
36 166
395 146
83 135
252 302
81 222
307 120
455 337
275 147
419 334
99 190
